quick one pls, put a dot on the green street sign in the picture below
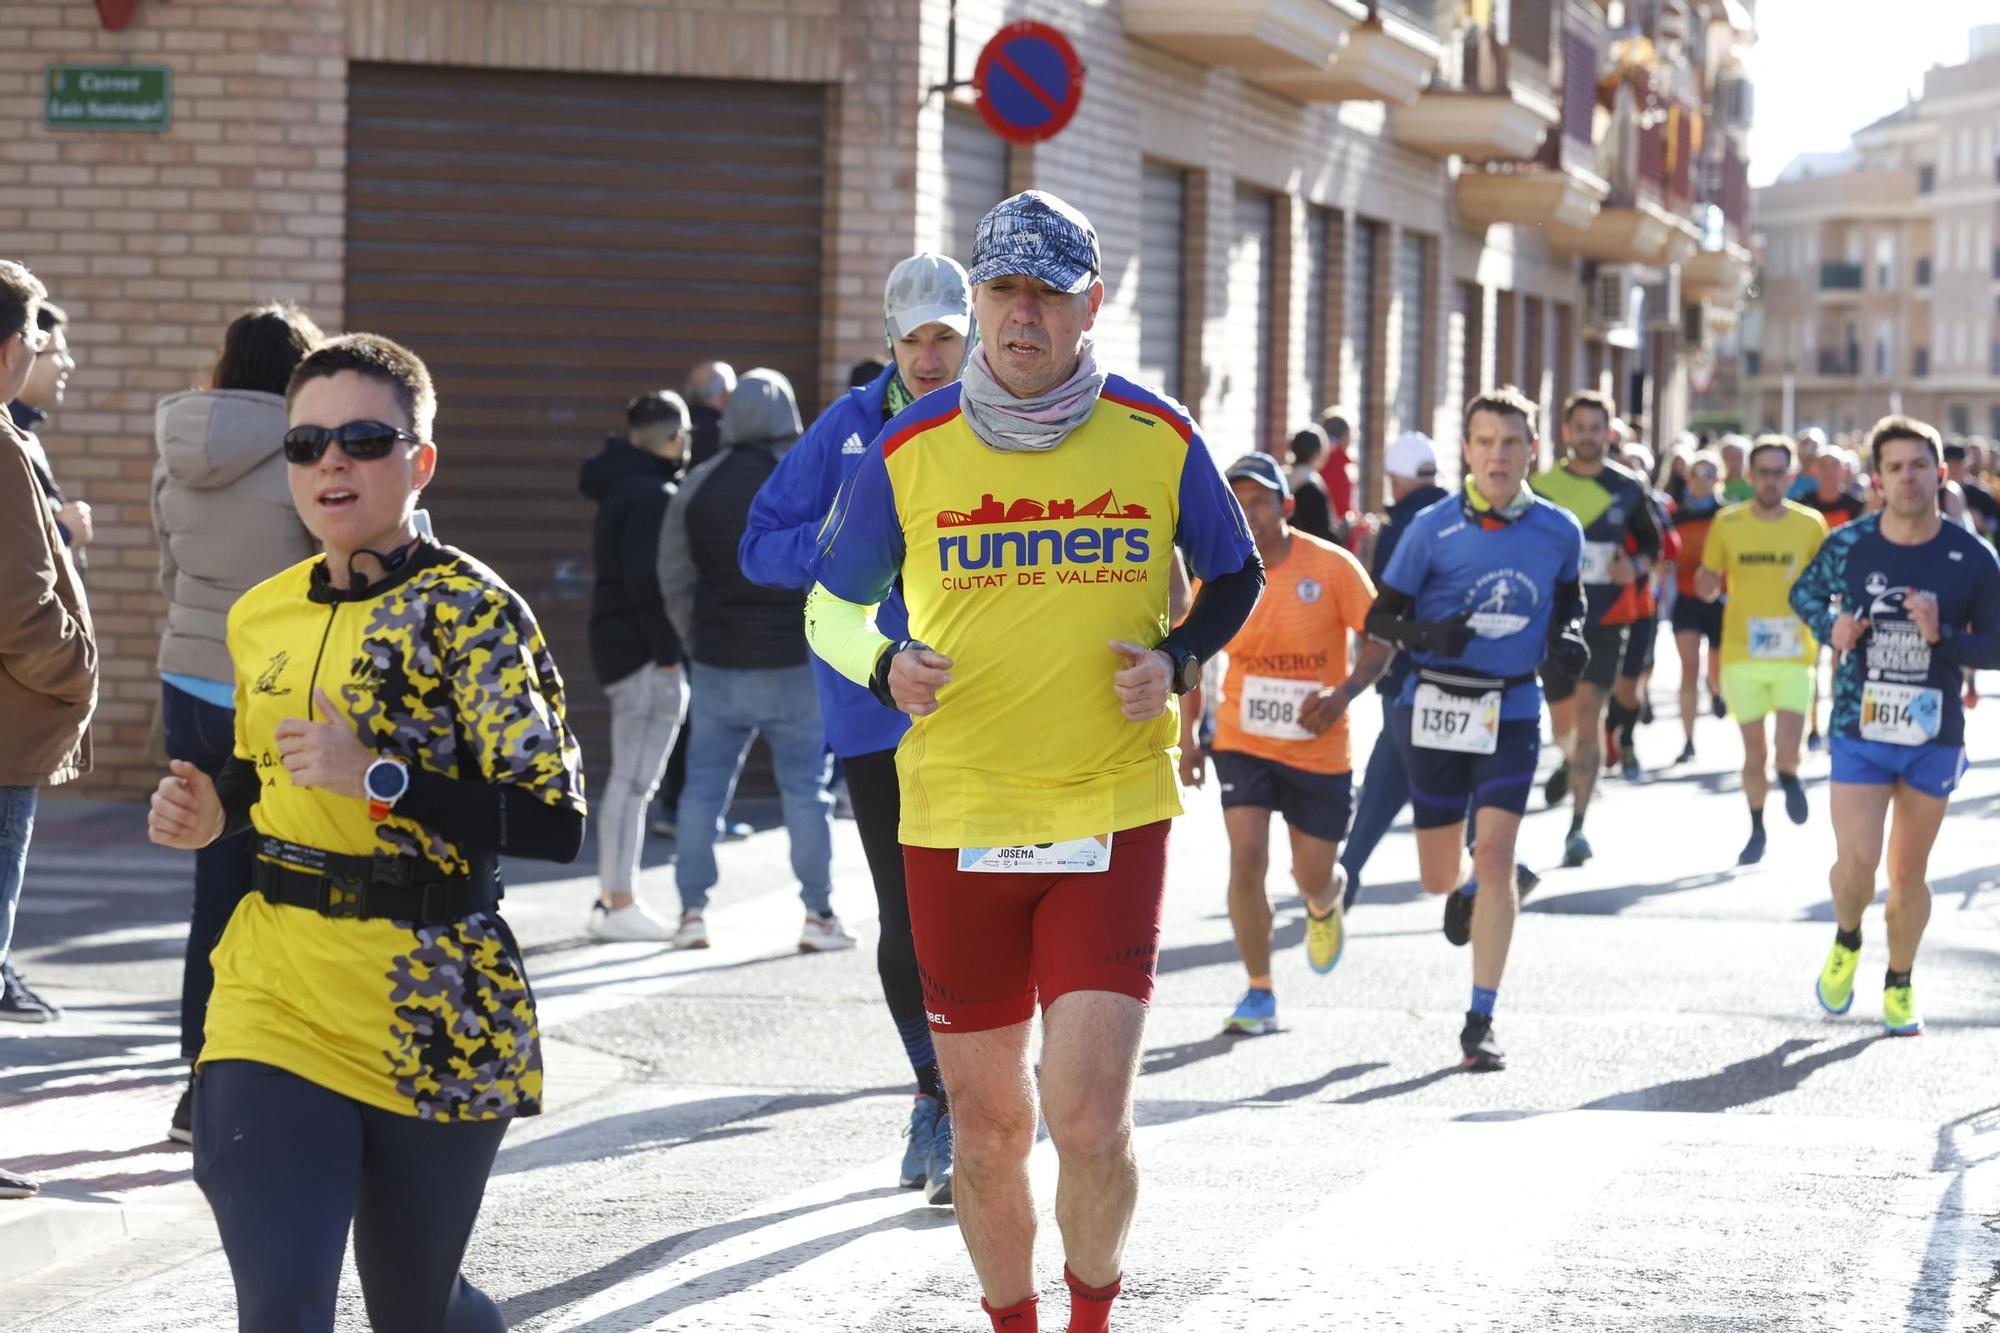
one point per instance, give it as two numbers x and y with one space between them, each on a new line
109 97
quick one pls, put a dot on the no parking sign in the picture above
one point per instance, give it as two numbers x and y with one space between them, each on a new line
1028 81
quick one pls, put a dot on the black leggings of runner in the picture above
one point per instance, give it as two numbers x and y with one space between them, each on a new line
287 1164
877 796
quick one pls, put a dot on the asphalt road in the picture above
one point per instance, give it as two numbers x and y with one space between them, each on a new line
1682 1140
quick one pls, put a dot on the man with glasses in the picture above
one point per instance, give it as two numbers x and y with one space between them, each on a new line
48 653
48 381
1755 551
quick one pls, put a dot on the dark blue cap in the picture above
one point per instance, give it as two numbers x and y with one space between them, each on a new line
1039 235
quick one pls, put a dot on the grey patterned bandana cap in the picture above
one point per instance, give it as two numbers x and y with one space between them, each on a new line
1037 234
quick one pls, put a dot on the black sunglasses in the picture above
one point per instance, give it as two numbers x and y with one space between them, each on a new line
362 441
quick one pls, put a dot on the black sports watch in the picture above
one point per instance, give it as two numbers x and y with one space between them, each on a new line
1187 667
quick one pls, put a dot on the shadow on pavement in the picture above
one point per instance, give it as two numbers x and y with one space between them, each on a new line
1754 1080
1612 900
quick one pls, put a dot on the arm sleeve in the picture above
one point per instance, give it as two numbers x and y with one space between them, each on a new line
508 699
1644 525
1566 609
843 633
1978 644
42 646
1220 608
782 534
1392 618
1210 528
238 787
638 560
492 818
1815 588
675 564
860 551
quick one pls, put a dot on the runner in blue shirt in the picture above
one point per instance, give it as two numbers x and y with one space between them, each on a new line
927 308
1907 602
1483 592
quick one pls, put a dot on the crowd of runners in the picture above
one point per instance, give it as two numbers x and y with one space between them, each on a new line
1039 603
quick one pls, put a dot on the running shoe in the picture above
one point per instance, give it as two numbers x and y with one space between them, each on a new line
14 1185
1557 785
824 934
1256 1013
937 1165
920 1131
632 922
1628 768
1687 754
1899 1012
1576 850
1458 915
1482 1052
18 1004
1718 705
181 1128
693 933
1326 936
1525 881
1753 850
1835 986
1795 799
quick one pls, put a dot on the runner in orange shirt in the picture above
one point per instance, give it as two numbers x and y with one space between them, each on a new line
1279 744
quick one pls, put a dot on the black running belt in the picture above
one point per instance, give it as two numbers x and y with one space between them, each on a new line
401 888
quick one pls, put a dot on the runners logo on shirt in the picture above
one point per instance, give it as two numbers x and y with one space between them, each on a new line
267 680
981 559
1309 591
1895 648
854 444
1502 602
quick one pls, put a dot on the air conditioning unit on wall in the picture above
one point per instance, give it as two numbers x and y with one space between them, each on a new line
1618 306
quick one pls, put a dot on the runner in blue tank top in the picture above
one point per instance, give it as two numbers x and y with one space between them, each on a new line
1482 592
1907 602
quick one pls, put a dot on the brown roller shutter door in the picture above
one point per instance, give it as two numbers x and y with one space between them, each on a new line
552 244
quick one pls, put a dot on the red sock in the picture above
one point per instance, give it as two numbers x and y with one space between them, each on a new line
1016 1318
1090 1307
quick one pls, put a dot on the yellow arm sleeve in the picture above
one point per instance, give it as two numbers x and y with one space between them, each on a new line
843 633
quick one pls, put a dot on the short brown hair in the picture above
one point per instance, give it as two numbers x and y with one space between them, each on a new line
21 292
1503 401
377 358
1898 427
1779 442
263 347
1589 398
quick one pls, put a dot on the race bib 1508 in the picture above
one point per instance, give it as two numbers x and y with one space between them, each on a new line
1270 707
1445 721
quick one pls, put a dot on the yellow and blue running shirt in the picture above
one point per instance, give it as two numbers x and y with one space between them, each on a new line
1021 568
444 667
1759 561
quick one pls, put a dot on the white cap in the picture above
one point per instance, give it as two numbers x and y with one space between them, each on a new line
927 289
1411 457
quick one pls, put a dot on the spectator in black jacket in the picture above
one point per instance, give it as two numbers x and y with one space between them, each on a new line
747 663
708 388
1311 511
633 647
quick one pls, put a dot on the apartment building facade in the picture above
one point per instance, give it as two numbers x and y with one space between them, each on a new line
1383 204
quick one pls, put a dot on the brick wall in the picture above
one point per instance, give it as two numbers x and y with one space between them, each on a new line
152 242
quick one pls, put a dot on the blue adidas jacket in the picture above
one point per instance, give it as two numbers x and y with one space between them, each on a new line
783 537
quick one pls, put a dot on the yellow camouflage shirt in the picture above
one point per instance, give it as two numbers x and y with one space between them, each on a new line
443 666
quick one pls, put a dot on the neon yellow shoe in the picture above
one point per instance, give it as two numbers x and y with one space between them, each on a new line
1326 936
1835 987
1899 1012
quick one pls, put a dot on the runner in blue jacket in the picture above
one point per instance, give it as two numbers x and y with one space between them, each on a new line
927 309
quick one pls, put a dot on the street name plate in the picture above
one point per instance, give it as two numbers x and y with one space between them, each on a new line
109 97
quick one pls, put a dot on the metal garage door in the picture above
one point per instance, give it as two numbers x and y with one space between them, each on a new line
552 244
1162 250
975 178
1246 346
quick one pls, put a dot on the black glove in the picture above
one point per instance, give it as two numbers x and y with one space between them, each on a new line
1446 638
1568 657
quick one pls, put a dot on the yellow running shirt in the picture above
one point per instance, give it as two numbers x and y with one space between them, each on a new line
1759 562
1022 567
442 666
1294 643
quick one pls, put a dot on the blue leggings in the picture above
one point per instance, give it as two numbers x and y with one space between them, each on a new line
287 1165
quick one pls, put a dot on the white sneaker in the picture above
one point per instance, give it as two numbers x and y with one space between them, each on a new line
824 934
693 933
633 921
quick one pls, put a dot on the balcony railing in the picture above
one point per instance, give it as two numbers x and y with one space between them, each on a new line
1833 361
1838 277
